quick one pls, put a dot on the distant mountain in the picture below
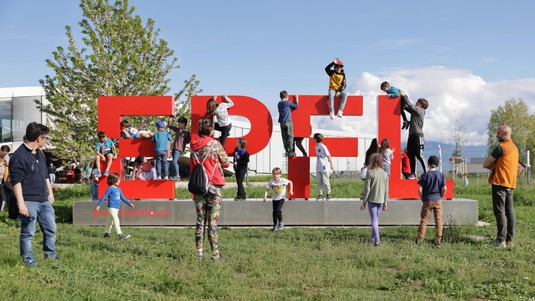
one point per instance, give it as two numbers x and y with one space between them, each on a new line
431 148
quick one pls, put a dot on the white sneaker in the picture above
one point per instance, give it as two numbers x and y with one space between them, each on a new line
340 114
331 115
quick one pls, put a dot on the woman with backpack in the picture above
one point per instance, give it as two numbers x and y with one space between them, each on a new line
208 152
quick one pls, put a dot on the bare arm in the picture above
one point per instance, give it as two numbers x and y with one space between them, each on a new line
489 162
291 185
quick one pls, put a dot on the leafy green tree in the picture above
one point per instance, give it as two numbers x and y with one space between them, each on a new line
119 56
514 113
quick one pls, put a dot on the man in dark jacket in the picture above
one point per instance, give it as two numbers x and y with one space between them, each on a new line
29 175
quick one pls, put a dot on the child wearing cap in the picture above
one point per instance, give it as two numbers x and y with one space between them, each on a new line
431 190
161 140
337 86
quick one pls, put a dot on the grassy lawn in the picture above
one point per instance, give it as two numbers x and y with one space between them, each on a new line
293 264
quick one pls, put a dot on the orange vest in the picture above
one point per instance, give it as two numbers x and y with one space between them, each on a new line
506 166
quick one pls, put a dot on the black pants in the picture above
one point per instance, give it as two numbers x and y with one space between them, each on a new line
277 211
240 175
225 132
415 150
502 205
299 143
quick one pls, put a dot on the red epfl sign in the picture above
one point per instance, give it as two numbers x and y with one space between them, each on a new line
111 108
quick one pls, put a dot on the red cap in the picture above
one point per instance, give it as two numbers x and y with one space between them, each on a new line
339 63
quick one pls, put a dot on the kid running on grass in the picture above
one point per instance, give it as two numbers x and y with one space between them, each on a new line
278 186
375 194
114 196
432 189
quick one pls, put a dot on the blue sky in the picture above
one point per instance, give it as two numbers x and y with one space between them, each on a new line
465 57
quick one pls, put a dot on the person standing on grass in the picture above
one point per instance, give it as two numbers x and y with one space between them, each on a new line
431 190
114 196
375 194
278 186
33 192
503 163
211 154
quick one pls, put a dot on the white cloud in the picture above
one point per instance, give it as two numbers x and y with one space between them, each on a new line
452 94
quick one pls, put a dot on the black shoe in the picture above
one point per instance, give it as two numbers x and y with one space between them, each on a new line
406 125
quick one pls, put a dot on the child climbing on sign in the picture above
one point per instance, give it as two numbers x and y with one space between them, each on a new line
393 92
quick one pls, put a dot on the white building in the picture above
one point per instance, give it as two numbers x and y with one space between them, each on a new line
17 109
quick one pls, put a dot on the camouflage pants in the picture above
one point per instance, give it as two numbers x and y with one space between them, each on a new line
207 207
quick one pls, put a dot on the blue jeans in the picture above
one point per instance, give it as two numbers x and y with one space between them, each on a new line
93 187
161 161
176 156
331 100
52 177
43 213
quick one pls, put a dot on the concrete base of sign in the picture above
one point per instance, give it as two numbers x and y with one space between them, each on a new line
254 212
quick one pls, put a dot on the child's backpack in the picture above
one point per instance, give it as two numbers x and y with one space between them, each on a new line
198 179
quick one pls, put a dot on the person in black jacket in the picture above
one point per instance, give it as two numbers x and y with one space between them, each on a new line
31 184
241 160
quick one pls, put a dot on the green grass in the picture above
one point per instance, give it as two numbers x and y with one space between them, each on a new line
294 264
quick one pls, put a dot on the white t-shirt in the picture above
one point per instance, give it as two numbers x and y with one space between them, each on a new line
322 153
388 157
278 188
221 113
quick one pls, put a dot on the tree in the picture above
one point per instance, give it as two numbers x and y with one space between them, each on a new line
120 56
460 138
515 114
